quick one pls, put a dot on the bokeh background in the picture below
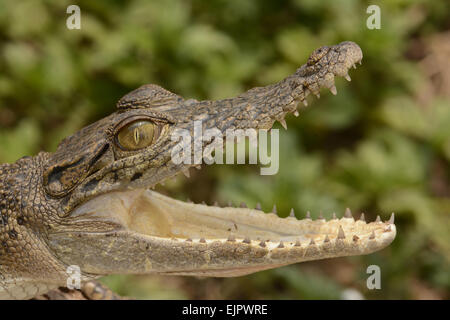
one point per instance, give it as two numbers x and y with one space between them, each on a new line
381 145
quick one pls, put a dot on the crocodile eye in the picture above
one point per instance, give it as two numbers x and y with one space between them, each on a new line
137 135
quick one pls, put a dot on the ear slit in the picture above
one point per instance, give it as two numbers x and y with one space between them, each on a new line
56 172
99 155
62 177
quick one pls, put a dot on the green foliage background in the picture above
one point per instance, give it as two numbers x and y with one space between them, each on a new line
381 145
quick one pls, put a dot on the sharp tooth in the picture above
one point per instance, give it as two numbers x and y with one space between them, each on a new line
243 205
308 215
347 77
283 123
274 209
246 240
311 243
354 66
348 213
305 103
281 245
334 216
296 113
317 94
355 238
362 218
333 90
391 219
341 234
378 219
292 213
297 243
186 173
372 235
258 206
326 239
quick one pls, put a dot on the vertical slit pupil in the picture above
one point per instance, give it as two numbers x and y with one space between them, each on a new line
136 136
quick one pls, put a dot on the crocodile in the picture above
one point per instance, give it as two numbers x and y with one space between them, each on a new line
90 203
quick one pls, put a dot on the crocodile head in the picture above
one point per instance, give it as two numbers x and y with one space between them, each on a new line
111 222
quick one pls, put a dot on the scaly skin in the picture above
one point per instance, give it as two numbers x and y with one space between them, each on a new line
88 204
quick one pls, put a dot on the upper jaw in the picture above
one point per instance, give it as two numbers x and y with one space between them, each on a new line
258 108
349 55
337 59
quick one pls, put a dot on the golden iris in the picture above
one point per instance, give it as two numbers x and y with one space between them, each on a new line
136 135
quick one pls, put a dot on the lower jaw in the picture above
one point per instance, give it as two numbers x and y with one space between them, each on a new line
150 213
164 235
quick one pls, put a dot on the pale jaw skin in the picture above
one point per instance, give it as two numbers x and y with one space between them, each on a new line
175 237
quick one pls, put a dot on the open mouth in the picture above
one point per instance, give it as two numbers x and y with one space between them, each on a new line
158 219
143 231
152 214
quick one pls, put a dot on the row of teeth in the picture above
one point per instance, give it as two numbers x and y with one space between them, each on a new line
347 215
263 243
281 244
307 91
185 172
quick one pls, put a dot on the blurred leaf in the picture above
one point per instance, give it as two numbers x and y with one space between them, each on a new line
373 147
27 133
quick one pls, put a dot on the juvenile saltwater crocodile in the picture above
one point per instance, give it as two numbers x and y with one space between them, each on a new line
88 204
